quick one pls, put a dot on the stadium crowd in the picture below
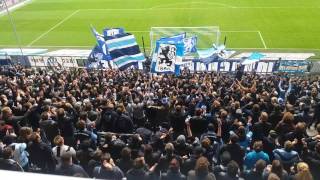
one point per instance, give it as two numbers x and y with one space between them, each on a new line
113 124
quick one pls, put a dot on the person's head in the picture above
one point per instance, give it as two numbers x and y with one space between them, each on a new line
288 146
58 140
277 168
60 112
264 117
225 158
126 153
210 127
205 143
25 133
288 118
6 112
106 161
202 166
234 138
174 164
139 163
35 137
81 124
44 116
258 146
232 168
7 153
8 139
303 172
260 166
169 148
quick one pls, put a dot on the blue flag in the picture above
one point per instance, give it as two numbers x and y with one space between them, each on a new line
190 44
167 58
112 32
100 41
124 50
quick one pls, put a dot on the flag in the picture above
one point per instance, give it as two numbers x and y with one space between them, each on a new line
100 41
124 50
112 32
167 57
253 58
190 44
173 39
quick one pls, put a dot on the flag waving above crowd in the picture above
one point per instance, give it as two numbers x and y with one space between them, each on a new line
117 46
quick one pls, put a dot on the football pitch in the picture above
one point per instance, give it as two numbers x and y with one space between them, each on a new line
277 25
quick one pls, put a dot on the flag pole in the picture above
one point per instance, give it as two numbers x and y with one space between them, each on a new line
18 40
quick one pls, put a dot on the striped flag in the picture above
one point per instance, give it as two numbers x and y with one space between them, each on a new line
124 50
100 41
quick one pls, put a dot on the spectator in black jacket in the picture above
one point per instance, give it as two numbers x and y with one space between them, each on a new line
177 121
261 129
236 152
67 168
123 123
232 172
125 162
40 154
257 172
138 172
313 159
66 127
198 124
174 171
107 170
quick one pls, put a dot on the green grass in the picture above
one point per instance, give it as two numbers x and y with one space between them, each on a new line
286 25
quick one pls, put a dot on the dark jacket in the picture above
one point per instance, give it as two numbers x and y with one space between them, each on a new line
170 175
236 152
41 155
123 124
260 130
100 172
137 174
71 170
10 165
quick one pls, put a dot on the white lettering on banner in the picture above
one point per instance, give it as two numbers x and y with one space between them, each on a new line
45 61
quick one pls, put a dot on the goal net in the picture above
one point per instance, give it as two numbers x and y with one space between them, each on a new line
206 36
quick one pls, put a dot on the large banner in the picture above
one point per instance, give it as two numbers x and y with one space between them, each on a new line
166 58
51 61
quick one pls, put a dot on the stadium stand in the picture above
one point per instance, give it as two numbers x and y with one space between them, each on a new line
112 124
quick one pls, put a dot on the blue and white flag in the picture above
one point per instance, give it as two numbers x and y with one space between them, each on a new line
100 41
112 32
173 39
167 57
124 50
190 44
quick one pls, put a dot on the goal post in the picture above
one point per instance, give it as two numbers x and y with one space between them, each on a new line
206 35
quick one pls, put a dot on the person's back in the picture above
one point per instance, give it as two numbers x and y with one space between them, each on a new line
198 125
107 170
123 124
40 154
67 168
236 152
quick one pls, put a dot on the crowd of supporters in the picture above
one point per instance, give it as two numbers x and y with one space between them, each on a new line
112 124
